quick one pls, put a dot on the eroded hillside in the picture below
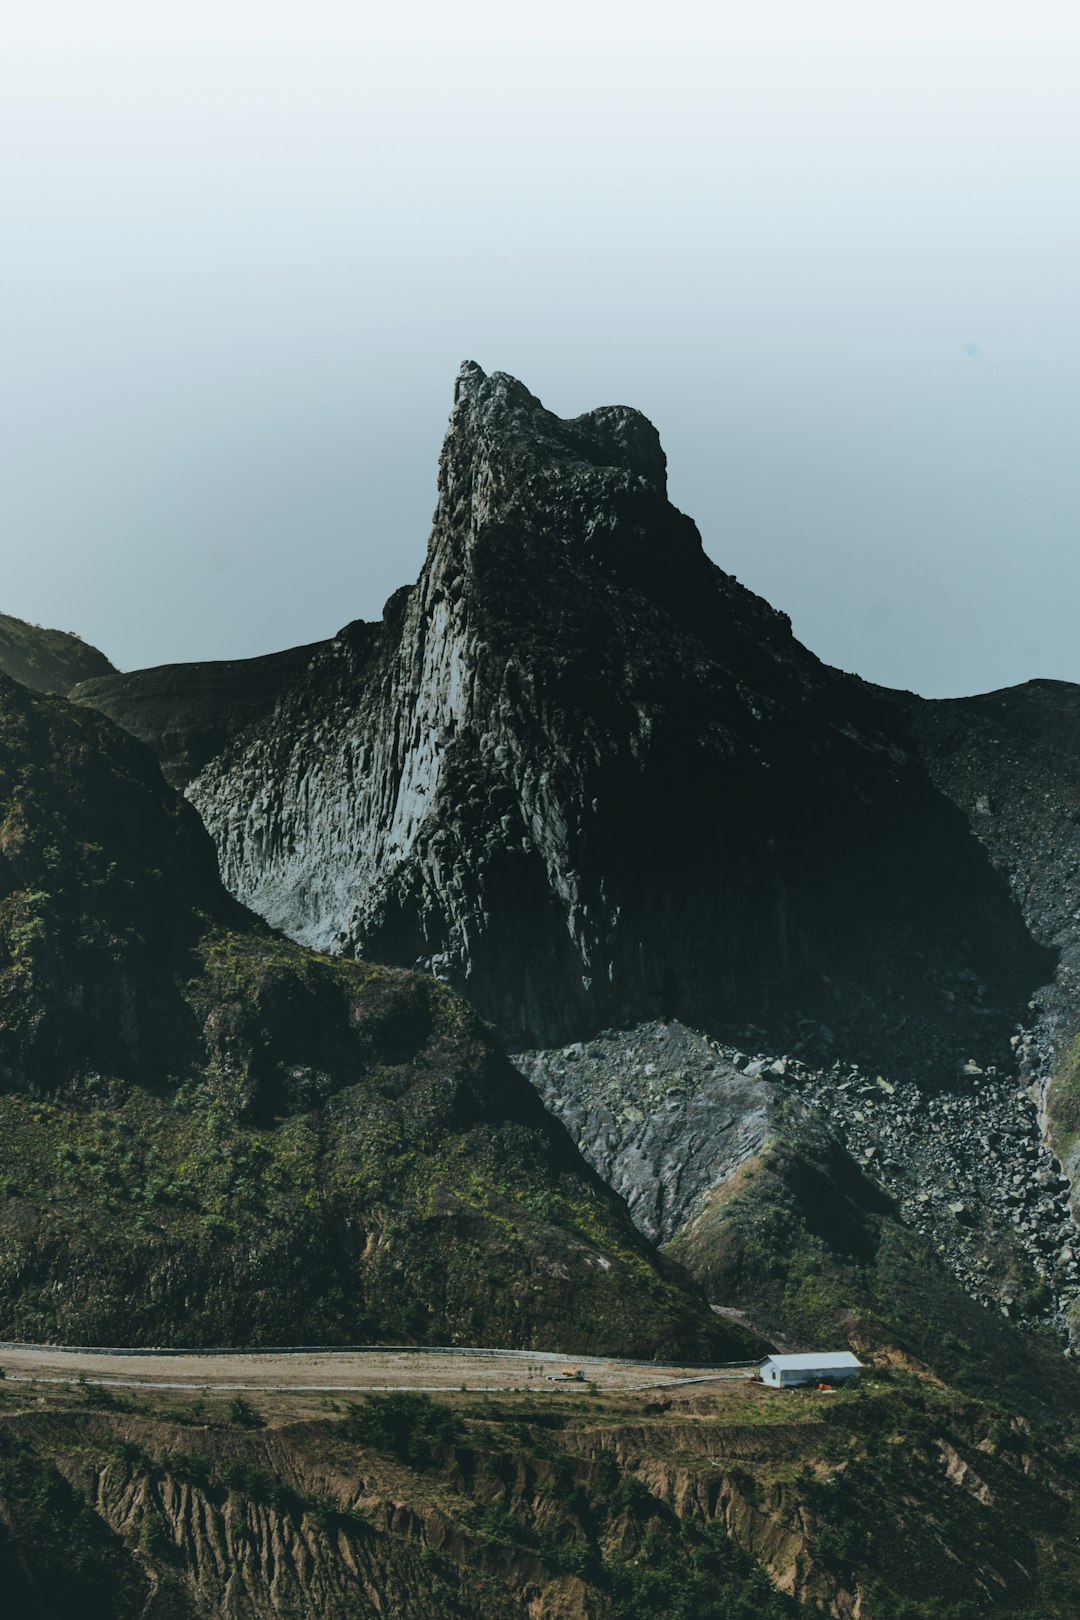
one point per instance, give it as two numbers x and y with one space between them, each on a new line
726 1501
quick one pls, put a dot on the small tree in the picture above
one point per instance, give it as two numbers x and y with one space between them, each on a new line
410 1427
154 1539
243 1414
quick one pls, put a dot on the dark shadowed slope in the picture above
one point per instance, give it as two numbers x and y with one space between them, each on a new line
1010 761
48 660
187 713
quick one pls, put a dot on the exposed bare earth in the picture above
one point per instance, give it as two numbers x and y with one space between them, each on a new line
379 1367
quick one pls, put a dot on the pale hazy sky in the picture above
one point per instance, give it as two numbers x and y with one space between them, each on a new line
831 249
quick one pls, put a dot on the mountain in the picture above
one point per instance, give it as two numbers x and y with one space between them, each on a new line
581 774
48 660
1010 760
589 778
791 959
211 1135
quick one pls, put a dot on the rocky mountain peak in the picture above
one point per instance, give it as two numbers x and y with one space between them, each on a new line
475 389
509 418
586 776
581 773
594 476
523 492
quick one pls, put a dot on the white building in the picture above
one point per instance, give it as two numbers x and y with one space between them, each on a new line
818 1367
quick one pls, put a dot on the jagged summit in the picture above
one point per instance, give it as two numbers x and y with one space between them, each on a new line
581 773
591 491
474 386
616 437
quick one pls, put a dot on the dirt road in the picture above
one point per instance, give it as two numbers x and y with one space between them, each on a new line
344 1371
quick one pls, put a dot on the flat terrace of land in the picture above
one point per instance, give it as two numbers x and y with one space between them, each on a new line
346 1370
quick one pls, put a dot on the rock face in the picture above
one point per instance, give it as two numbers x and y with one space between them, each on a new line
209 1135
49 660
587 778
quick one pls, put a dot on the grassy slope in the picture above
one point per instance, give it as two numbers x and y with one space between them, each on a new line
50 660
812 1250
1063 1105
208 1134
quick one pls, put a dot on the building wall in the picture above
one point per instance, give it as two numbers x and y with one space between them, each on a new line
805 1375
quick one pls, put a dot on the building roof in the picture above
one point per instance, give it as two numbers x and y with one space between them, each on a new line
816 1358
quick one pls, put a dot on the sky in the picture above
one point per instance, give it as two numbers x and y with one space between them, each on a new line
832 251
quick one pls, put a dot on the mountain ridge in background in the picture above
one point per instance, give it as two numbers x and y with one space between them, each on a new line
49 660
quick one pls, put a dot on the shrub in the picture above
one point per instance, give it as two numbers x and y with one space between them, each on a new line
410 1427
248 1480
684 1574
185 1466
131 1455
243 1414
154 1539
321 1506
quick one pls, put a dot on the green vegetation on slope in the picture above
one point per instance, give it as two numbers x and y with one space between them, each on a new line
804 1242
208 1134
404 1424
56 1555
50 660
264 1199
1063 1105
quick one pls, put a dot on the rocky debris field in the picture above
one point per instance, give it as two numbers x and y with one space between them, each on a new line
967 1167
660 1111
664 1114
